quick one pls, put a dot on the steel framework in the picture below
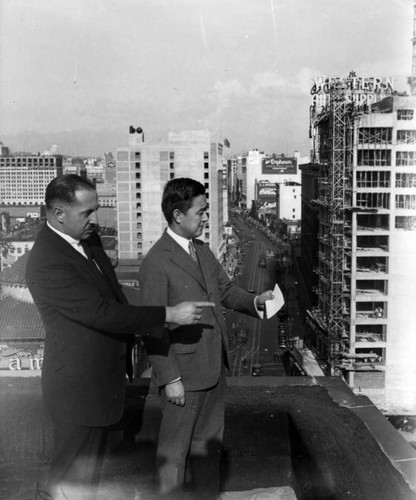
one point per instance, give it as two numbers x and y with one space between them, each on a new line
340 172
334 140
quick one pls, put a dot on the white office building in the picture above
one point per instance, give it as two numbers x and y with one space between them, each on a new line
144 168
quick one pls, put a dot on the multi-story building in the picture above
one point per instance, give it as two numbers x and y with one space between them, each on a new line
309 230
264 206
107 198
14 217
95 170
278 169
69 167
144 168
278 205
224 191
289 204
23 178
4 150
364 322
13 247
236 177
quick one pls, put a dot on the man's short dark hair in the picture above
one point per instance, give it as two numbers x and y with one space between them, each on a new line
64 187
178 194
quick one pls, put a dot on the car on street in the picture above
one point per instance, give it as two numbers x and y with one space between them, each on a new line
257 370
241 334
282 337
283 343
262 262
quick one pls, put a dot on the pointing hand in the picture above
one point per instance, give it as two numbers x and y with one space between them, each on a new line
186 313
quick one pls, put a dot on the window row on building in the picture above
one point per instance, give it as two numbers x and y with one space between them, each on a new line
381 179
384 135
382 158
135 156
27 161
382 201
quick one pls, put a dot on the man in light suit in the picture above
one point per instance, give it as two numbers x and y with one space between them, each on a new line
189 362
90 329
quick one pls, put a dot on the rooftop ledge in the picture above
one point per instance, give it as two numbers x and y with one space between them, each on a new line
312 436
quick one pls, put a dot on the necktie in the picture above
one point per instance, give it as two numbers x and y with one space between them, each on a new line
192 252
86 249
88 253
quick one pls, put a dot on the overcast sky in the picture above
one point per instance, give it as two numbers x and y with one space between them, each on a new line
241 68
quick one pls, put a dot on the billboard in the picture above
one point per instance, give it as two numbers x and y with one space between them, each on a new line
266 196
278 165
353 89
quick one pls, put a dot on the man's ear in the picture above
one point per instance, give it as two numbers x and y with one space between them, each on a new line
177 216
58 213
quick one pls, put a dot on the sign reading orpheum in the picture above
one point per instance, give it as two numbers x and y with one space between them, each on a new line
278 165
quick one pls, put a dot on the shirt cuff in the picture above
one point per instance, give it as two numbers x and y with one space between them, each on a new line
176 380
260 314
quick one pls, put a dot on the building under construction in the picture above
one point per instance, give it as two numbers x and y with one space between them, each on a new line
364 326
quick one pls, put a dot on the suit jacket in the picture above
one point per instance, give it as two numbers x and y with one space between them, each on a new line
87 321
168 275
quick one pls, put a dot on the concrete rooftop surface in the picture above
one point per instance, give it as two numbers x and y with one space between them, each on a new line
285 438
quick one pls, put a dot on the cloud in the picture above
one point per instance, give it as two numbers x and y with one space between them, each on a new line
267 85
232 96
228 91
305 79
266 81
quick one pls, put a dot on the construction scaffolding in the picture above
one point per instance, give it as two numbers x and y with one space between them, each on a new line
333 147
342 140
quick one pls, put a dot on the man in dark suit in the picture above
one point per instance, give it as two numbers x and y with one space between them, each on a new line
90 329
189 362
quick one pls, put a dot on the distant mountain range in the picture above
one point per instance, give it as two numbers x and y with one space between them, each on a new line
80 142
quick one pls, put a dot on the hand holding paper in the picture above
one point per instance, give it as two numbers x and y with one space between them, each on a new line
274 305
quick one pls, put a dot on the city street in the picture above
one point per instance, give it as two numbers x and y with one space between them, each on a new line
262 344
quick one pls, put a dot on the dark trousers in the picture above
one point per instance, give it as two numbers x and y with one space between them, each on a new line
74 469
192 434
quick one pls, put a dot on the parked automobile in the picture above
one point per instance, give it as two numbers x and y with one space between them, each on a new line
256 370
283 344
282 337
241 334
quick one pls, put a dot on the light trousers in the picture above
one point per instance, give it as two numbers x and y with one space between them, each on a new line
192 434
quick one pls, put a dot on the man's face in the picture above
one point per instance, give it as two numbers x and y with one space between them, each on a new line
193 222
79 219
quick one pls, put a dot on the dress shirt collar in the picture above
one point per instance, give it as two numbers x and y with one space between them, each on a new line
66 237
180 240
72 241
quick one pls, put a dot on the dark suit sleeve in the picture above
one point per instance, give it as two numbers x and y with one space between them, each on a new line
232 296
59 289
154 288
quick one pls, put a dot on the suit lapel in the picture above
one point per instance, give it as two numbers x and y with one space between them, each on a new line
107 272
89 267
203 264
63 246
182 259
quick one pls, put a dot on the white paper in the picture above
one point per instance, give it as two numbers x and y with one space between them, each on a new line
274 305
